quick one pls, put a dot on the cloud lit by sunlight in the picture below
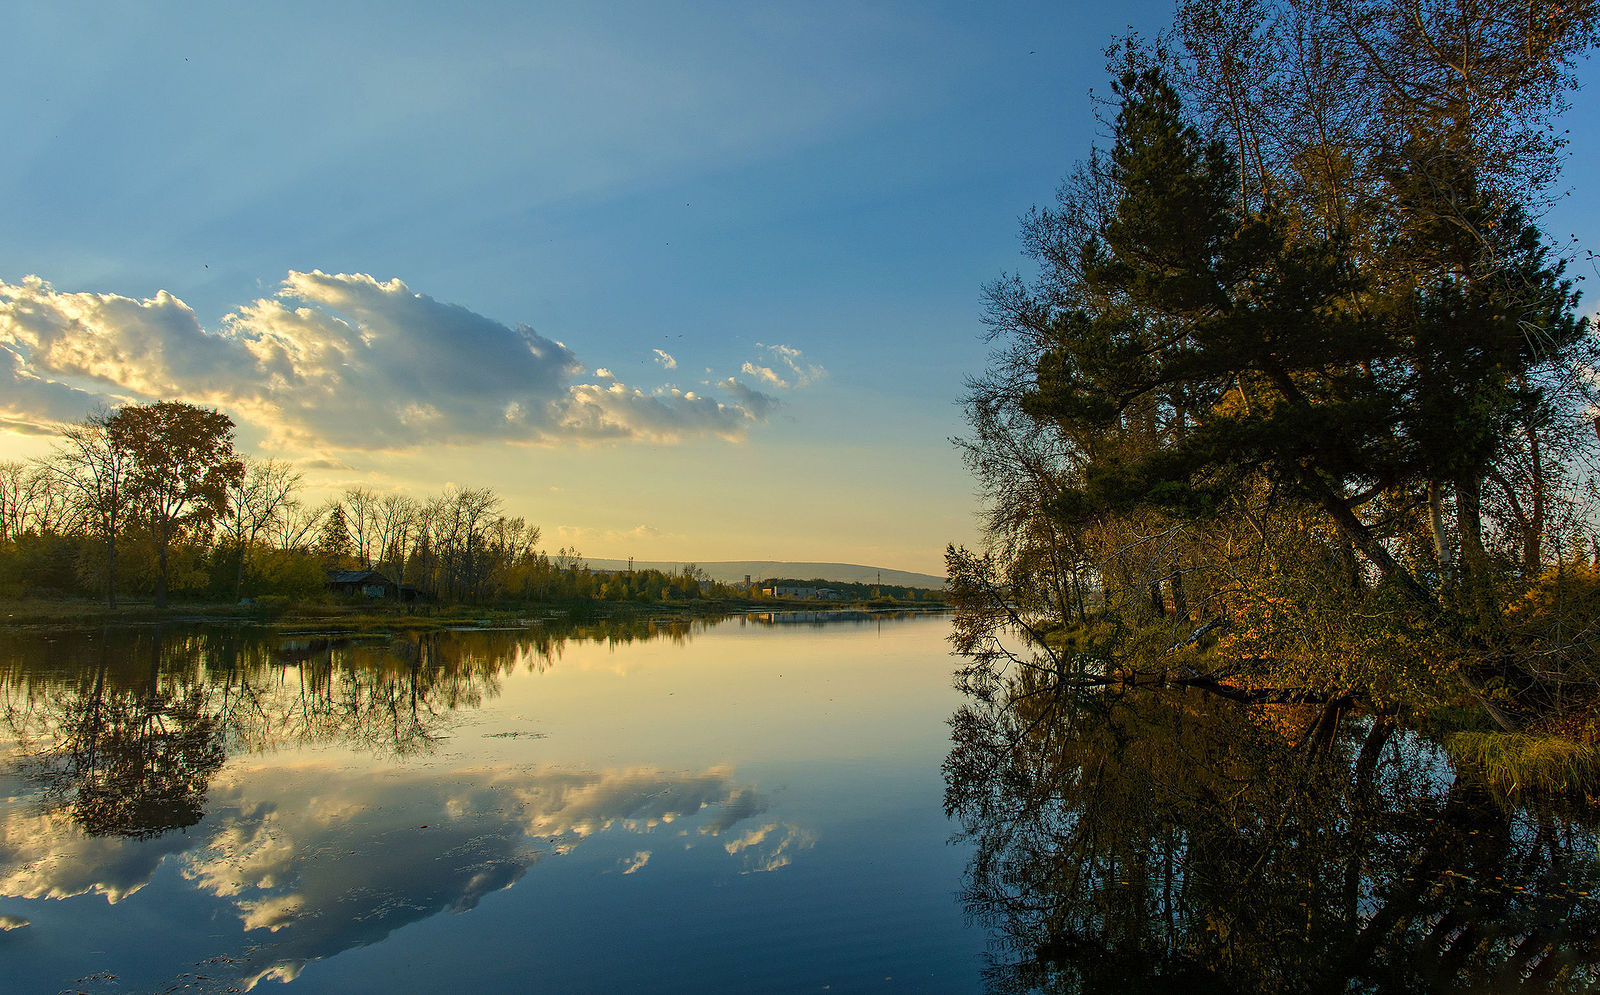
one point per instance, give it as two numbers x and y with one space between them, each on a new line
344 361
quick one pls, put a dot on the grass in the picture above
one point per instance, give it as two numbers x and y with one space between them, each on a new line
1519 765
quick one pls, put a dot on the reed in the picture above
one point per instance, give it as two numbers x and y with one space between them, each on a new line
1519 764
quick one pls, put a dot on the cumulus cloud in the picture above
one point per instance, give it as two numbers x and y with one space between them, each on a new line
616 411
666 361
33 404
338 360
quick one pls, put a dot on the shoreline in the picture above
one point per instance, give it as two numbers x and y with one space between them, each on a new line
41 613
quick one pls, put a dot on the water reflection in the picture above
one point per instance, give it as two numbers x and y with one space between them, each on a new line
149 714
1173 841
223 756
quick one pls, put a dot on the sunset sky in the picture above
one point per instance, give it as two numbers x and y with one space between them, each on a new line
680 281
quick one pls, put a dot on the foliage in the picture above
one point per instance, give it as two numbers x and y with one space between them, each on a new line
151 500
1297 402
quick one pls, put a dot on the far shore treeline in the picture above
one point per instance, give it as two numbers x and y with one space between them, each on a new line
151 501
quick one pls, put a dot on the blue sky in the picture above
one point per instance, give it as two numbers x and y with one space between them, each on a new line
697 281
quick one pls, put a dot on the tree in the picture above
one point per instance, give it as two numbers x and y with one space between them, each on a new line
396 530
461 522
91 463
1223 395
264 492
1210 347
333 535
32 500
181 465
361 514
1422 131
299 526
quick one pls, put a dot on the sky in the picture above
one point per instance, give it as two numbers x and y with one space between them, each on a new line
680 281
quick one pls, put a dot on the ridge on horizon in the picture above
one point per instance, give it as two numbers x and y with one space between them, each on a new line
728 571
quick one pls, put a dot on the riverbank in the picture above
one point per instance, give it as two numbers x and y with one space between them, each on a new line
366 616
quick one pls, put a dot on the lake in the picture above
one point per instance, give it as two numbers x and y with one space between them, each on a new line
753 803
746 804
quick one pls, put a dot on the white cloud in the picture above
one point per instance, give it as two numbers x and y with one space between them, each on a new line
765 374
802 372
634 863
666 361
34 404
617 411
335 360
788 369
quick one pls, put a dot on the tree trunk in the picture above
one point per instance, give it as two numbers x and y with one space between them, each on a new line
238 587
111 561
1469 522
1441 542
161 570
1180 602
1361 537
1533 537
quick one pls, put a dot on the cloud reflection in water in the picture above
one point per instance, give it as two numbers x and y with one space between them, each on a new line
360 854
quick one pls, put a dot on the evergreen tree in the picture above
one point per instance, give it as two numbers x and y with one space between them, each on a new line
333 541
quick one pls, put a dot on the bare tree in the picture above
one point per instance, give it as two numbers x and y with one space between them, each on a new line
89 464
262 496
32 500
361 514
397 524
461 519
297 524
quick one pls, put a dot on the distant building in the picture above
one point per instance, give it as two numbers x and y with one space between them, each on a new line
803 593
369 583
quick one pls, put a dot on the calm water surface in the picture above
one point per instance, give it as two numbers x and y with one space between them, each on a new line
1173 841
751 804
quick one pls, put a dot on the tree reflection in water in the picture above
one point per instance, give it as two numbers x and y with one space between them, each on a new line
126 730
1173 840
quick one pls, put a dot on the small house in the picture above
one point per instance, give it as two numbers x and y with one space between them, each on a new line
367 583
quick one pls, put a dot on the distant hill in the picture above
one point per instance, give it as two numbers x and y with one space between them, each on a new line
729 571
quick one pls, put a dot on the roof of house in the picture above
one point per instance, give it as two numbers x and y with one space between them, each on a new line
357 577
